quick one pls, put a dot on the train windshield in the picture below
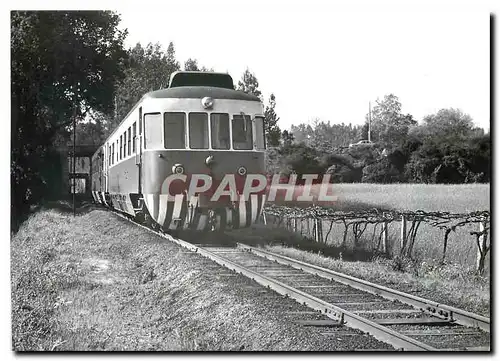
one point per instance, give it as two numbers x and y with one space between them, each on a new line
198 130
175 133
219 124
260 139
242 132
152 132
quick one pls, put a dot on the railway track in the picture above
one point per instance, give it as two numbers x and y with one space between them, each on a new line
340 303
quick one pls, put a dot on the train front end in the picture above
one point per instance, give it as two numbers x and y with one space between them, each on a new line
203 162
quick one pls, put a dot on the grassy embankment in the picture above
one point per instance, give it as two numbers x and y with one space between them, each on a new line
97 282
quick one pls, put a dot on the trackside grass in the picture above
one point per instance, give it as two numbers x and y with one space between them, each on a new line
98 283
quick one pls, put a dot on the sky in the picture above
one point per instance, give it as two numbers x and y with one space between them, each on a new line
329 60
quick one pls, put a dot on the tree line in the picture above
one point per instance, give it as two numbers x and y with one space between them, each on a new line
446 147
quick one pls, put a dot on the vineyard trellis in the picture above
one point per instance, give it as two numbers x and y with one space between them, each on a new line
293 218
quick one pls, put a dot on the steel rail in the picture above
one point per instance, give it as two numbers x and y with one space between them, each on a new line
344 317
445 312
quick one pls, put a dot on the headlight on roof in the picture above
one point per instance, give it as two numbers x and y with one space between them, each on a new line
207 102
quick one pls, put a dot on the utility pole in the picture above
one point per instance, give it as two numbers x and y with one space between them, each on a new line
369 120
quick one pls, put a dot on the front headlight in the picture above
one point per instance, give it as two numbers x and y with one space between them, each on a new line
178 169
242 170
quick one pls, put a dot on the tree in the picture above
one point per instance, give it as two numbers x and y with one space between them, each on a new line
325 136
302 132
149 69
447 125
272 130
300 159
287 138
249 84
63 63
389 125
192 65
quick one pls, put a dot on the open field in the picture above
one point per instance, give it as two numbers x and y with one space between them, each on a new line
455 198
464 198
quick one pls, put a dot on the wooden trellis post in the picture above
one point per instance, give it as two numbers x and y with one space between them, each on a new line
318 228
384 237
403 233
482 246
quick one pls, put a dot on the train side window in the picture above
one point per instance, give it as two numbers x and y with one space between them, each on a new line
219 127
198 130
175 130
134 135
260 137
124 144
129 140
242 132
152 131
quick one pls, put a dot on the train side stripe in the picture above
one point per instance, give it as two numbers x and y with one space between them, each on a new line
262 200
193 202
162 213
176 210
243 212
196 220
150 204
254 205
168 216
184 211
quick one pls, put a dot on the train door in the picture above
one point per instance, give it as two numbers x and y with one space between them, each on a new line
107 157
138 154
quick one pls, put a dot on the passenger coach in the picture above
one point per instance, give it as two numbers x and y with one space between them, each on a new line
198 125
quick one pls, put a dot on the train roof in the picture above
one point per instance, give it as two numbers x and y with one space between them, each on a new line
195 84
200 78
201 92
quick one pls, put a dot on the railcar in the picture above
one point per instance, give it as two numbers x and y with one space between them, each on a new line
198 125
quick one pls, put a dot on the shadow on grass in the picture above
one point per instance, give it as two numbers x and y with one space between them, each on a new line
261 235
